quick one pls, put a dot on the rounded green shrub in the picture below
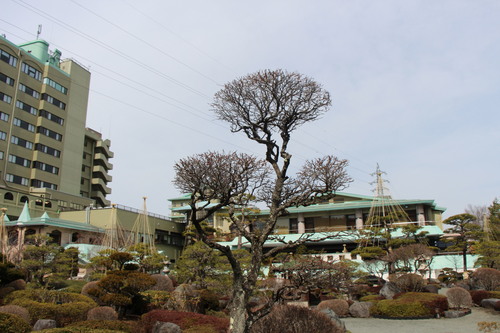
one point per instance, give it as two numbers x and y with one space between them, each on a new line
433 302
115 325
16 310
102 313
10 323
371 298
400 309
64 308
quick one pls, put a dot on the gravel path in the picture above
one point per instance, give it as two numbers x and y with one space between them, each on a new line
467 324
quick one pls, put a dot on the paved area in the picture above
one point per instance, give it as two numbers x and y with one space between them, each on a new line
467 324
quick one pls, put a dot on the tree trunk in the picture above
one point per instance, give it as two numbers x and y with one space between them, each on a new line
238 310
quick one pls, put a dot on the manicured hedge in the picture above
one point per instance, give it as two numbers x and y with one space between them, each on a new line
116 325
391 308
429 300
185 320
64 308
10 323
479 295
411 305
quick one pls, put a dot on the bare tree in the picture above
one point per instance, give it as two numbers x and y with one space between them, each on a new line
267 107
480 212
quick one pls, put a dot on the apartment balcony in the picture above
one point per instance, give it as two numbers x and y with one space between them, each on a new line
100 158
101 173
100 199
101 185
104 147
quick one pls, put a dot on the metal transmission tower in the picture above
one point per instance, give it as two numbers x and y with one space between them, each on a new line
384 211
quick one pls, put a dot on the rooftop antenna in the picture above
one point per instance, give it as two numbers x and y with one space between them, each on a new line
39 31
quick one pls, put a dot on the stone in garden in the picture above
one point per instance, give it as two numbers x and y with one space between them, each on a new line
333 317
42 324
162 327
389 290
360 309
491 303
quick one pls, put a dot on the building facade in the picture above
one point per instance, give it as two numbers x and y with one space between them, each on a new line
47 155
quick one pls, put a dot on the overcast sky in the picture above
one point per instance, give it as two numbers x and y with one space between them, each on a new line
415 85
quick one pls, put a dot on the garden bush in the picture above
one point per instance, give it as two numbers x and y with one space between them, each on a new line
115 325
185 320
158 300
339 306
409 282
433 302
78 330
88 287
16 310
295 319
459 298
479 295
393 308
10 323
163 283
102 313
371 298
64 308
209 301
486 278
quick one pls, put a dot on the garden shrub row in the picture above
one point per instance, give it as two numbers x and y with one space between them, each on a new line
185 320
10 323
64 308
411 305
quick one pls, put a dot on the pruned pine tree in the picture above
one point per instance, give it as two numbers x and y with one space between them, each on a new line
267 106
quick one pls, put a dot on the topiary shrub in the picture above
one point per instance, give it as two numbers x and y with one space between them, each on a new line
115 325
486 278
158 300
163 283
184 320
295 319
16 310
409 282
339 306
92 285
479 295
102 313
79 330
433 302
393 308
371 298
10 323
459 298
64 308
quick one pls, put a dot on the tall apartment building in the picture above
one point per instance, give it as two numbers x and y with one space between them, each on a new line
47 155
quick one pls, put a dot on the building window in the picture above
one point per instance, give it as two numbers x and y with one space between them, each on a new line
5 98
8 58
21 142
24 199
3 135
4 116
31 71
24 124
30 91
50 116
49 133
19 161
7 79
55 85
53 101
27 108
16 179
8 196
45 167
47 150
43 184
1 155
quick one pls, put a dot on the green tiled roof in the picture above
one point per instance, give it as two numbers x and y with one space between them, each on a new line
45 220
349 236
